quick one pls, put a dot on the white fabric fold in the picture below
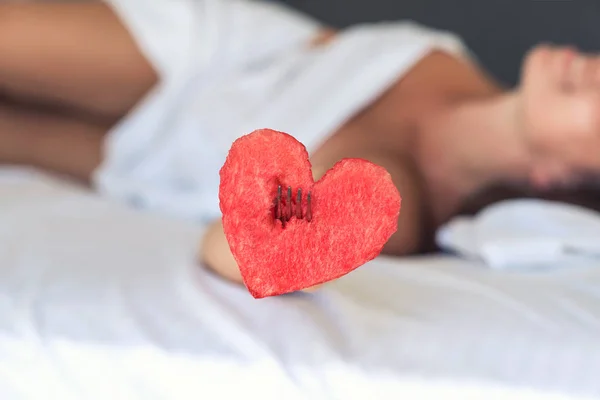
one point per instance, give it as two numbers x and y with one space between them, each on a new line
525 234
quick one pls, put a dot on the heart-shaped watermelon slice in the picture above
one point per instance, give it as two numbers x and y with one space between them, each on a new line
288 232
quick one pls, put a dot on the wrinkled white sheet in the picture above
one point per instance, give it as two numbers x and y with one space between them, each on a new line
101 302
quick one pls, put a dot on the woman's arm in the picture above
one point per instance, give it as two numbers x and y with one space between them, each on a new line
78 55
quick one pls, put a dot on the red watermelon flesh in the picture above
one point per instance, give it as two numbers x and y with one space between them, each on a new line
353 211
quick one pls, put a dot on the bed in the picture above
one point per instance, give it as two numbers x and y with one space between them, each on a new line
99 301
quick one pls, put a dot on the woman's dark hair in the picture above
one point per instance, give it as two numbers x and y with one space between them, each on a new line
587 195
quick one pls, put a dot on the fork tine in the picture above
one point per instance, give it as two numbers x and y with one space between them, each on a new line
299 204
309 207
278 212
288 215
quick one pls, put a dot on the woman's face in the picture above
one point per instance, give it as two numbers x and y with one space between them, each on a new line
561 113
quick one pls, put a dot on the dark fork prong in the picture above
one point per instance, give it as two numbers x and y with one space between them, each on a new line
308 207
284 209
289 203
299 204
278 212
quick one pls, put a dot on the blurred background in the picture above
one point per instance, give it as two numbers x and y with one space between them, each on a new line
499 32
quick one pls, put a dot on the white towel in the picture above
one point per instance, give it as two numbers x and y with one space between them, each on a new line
229 67
526 234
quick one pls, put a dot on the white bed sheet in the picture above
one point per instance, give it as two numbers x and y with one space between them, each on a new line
101 302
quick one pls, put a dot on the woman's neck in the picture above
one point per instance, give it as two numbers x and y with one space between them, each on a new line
464 147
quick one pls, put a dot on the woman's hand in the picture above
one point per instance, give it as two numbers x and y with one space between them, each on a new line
216 254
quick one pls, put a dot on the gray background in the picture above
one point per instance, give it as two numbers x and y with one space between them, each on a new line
499 32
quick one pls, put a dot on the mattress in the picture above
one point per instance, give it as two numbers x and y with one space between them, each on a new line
99 301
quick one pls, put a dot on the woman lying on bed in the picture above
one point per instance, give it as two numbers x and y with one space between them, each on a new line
143 101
